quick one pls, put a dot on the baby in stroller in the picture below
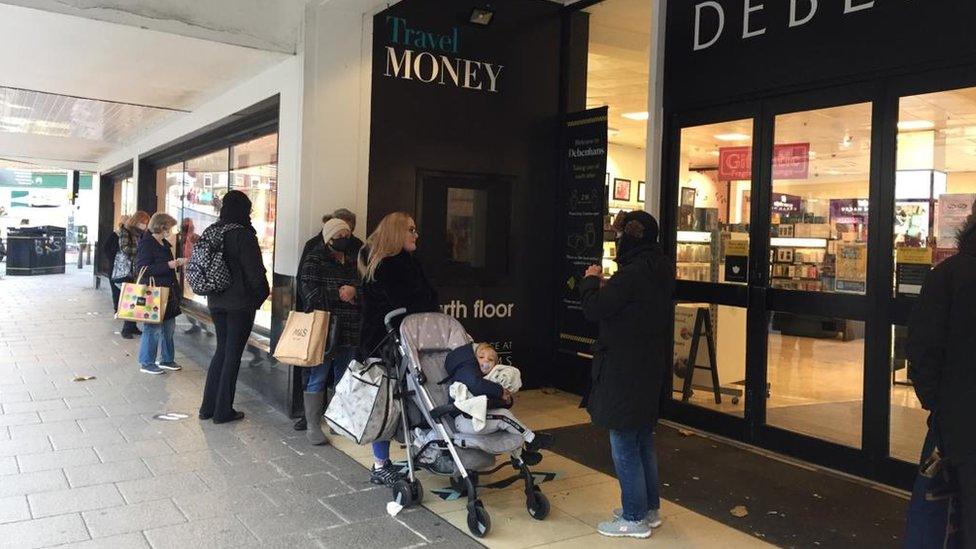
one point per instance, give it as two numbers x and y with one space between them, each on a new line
478 371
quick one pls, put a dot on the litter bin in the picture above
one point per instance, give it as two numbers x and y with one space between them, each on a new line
35 250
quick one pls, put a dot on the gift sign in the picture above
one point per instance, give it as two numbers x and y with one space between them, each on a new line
790 161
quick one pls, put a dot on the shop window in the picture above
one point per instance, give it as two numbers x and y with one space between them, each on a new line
465 223
815 371
170 179
907 418
129 206
204 183
819 211
254 165
935 185
718 333
713 204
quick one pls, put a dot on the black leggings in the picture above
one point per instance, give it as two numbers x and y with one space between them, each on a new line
233 329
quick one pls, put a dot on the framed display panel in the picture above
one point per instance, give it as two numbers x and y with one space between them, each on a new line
621 189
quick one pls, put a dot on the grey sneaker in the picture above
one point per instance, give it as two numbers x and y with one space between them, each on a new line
171 366
653 517
151 369
620 528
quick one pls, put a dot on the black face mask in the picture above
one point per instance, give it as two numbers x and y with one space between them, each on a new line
341 244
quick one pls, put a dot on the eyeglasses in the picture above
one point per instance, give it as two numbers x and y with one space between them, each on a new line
412 230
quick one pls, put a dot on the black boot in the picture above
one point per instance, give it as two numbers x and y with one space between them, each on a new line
300 425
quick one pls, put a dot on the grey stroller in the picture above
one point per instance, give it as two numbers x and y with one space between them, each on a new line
415 357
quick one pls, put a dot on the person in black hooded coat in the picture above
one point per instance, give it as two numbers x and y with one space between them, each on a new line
630 362
233 310
941 345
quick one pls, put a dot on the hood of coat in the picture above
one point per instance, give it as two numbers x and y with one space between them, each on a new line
459 357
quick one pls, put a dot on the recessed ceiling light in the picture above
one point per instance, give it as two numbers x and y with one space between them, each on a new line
909 125
732 137
635 115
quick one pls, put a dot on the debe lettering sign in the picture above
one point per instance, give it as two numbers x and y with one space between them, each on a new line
434 58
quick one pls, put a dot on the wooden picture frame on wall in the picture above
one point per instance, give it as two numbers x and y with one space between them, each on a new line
621 189
641 191
688 195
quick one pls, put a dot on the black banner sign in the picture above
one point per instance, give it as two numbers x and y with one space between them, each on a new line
583 209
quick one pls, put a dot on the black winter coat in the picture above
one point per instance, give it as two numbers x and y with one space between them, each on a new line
320 276
313 243
399 282
633 351
941 349
155 258
249 282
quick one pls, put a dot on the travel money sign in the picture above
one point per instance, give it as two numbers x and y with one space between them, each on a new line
434 57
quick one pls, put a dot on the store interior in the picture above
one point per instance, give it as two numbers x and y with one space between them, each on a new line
819 243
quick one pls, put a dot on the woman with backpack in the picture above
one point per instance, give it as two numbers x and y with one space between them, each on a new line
234 306
123 268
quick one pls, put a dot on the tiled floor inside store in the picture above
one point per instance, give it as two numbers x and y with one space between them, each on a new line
85 464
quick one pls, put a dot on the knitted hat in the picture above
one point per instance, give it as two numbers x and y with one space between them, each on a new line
332 227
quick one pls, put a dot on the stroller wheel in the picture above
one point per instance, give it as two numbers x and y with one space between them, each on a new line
417 490
479 522
537 504
406 494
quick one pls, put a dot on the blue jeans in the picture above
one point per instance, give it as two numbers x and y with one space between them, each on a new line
927 520
152 336
336 364
636 466
381 450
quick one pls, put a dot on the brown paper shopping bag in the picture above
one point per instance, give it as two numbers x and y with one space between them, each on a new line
140 302
302 343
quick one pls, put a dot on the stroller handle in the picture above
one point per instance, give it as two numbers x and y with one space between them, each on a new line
388 319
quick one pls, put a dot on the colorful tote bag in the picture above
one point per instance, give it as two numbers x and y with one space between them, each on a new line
140 302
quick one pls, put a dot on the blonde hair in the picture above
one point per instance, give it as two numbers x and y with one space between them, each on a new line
386 241
487 347
160 222
135 219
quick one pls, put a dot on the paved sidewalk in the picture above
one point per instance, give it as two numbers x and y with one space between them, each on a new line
84 463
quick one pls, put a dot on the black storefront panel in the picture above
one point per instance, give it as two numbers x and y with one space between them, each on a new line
464 136
720 50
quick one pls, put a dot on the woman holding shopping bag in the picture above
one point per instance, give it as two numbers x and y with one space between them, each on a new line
392 279
155 255
123 268
327 281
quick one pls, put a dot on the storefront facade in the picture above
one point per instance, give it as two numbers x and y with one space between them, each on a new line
809 154
815 167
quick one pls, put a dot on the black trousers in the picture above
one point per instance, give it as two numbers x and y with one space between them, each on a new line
233 329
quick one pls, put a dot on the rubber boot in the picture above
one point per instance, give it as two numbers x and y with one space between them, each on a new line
313 416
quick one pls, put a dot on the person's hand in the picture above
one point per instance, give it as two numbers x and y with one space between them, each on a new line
506 396
174 264
594 270
347 294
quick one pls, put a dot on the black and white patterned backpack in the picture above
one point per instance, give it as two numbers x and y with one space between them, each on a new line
207 272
